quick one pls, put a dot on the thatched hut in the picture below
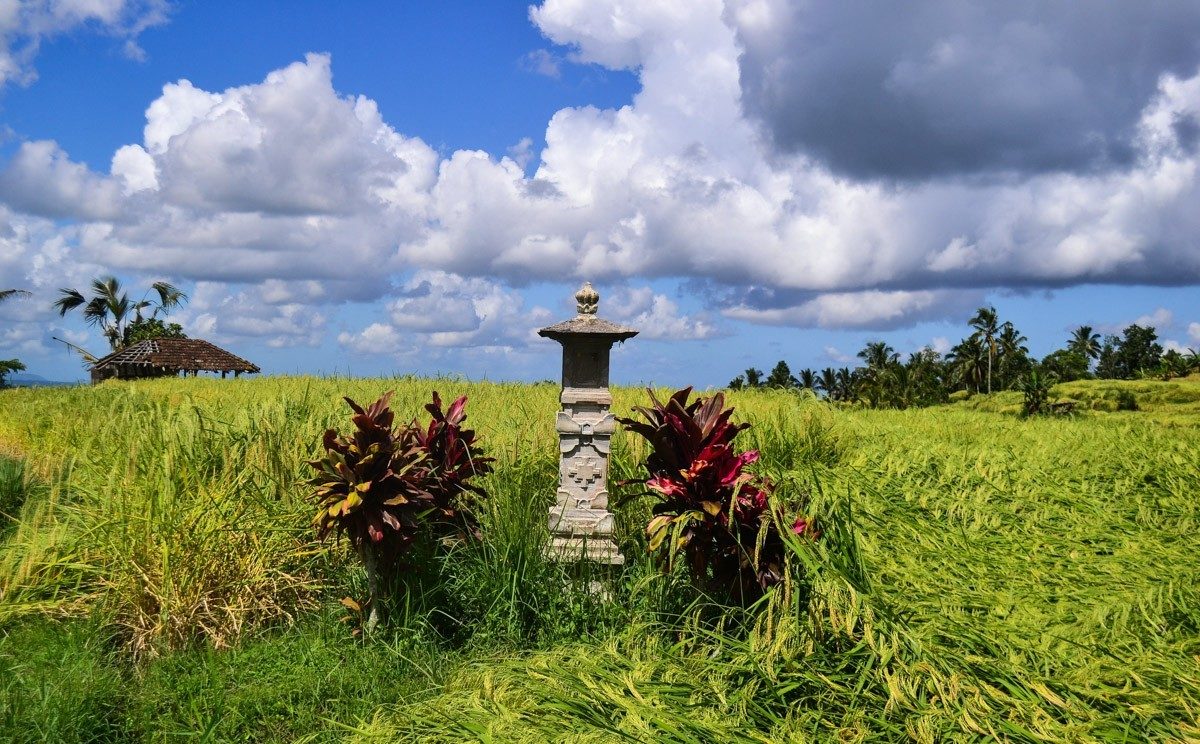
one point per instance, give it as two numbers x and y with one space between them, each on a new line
165 357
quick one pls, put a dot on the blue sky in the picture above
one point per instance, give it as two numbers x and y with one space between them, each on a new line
376 188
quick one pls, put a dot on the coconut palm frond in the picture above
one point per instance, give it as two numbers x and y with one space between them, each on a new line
69 300
95 312
84 353
169 296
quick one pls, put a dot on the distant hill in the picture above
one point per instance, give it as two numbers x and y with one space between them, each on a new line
25 379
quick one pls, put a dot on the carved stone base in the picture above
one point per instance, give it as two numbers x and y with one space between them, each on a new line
580 522
598 549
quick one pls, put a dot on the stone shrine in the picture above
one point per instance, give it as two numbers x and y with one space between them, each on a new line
581 526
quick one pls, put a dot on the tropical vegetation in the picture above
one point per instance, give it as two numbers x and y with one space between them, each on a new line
978 576
6 294
121 320
386 487
710 508
993 357
9 366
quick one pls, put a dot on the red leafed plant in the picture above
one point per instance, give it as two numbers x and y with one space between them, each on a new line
710 508
452 453
383 486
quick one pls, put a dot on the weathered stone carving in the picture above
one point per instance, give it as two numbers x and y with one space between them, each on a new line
580 523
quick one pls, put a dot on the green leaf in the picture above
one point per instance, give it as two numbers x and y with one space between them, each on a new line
656 540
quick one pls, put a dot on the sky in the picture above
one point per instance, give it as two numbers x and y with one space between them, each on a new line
378 188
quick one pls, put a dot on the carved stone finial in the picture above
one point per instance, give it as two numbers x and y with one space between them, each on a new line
587 299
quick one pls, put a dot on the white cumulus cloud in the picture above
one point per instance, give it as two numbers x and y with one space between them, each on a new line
656 316
447 311
291 194
25 24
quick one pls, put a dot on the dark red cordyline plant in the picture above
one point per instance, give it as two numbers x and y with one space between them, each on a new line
710 508
454 461
371 483
382 485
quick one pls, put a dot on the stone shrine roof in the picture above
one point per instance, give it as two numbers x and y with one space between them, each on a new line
586 324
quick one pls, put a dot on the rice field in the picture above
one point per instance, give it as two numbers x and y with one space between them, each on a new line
982 577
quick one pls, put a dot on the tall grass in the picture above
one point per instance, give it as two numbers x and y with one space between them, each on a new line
981 576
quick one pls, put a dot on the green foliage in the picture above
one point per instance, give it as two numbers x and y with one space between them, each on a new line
1139 352
282 686
57 685
1066 365
145 329
1084 343
1013 360
1176 364
16 485
987 326
1136 353
1035 389
383 487
1174 404
781 376
189 541
886 382
7 367
1108 365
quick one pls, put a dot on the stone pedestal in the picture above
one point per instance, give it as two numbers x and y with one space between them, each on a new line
581 526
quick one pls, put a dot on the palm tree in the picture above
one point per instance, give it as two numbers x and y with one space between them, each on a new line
808 379
827 383
847 384
878 355
109 308
918 382
7 294
1084 342
754 377
1014 354
879 358
987 325
781 377
967 362
900 384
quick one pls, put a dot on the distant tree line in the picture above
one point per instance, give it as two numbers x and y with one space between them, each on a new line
992 357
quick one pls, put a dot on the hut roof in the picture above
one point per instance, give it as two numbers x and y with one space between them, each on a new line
188 354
